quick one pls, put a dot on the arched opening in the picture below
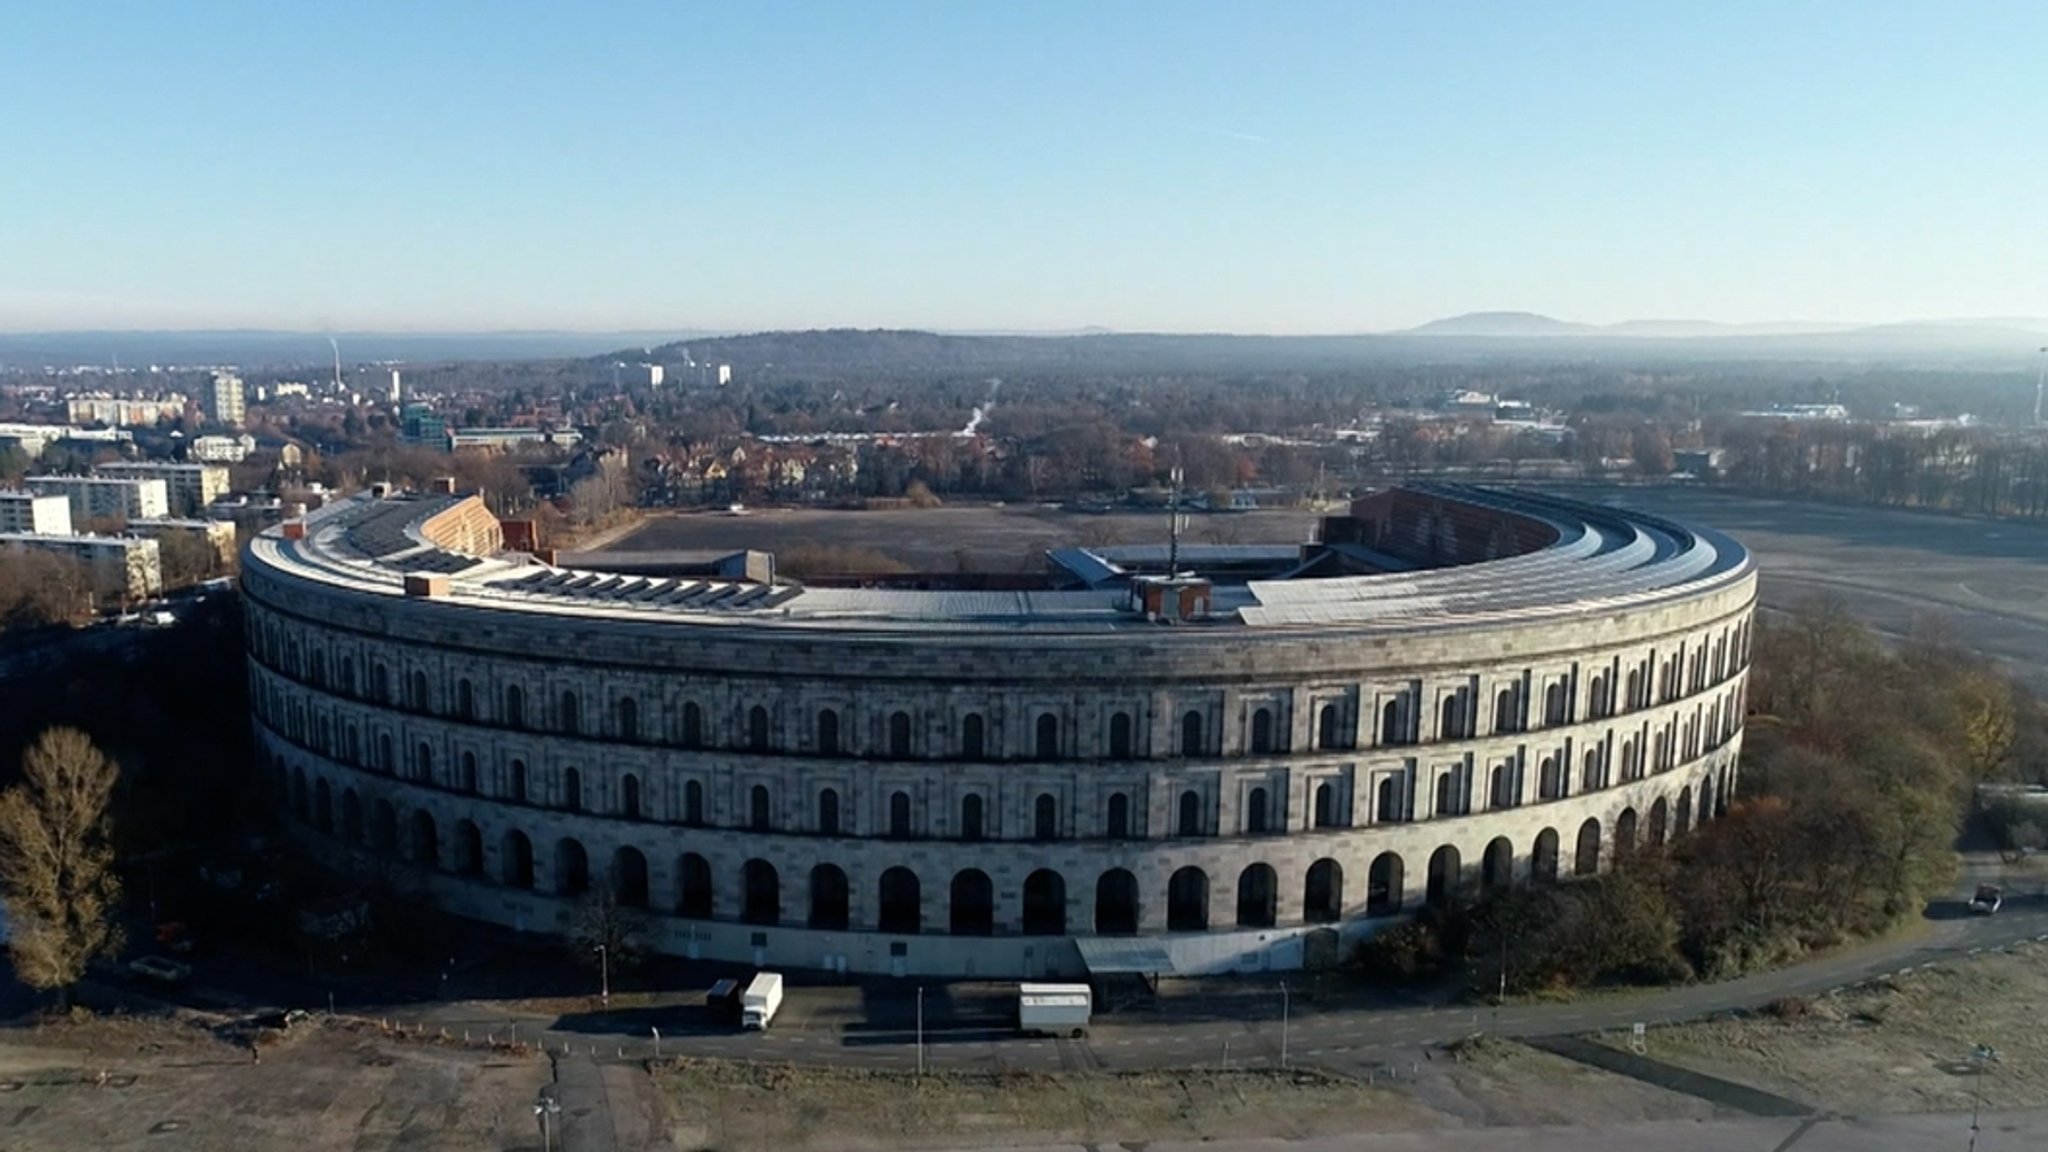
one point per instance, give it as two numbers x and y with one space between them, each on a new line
1256 817
517 858
629 877
1045 903
1190 814
828 733
629 796
423 761
1120 736
1258 894
828 812
1684 821
1387 808
1118 825
572 867
1589 775
1451 718
1045 817
1326 805
1706 809
1500 787
762 886
759 817
469 849
302 807
693 803
1047 745
1116 903
1262 731
899 815
1446 871
693 887
323 807
426 840
419 691
1625 833
1549 779
693 725
1660 817
572 790
1507 711
518 783
1191 734
1586 859
972 907
831 898
629 718
1329 723
466 779
973 737
1391 731
901 901
973 824
1449 796
571 713
1497 865
1543 861
351 817
1187 901
1555 707
1322 895
899 734
757 728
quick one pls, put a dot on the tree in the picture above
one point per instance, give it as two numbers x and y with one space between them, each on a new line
57 860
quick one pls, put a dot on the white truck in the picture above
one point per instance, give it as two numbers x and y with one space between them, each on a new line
760 1002
1054 1009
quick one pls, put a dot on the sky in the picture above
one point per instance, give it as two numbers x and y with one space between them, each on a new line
1275 166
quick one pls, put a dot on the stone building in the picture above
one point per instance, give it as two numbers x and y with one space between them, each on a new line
1488 688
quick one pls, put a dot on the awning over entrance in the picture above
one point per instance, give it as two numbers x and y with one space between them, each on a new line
1123 955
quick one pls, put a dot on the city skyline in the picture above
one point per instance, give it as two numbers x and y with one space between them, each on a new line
1314 169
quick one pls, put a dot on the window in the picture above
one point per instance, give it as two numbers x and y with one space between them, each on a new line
571 716
1190 814
1120 735
1502 789
629 796
1449 795
1387 808
973 737
1598 706
515 706
1556 708
693 725
348 675
629 718
465 700
693 803
899 815
1187 901
1262 732
828 812
467 780
518 784
1191 733
1045 817
380 684
971 818
423 761
1329 723
1451 719
899 734
828 733
1256 816
1549 780
757 728
417 696
1048 742
1392 730
1507 709
386 763
1326 805
1118 826
572 790
757 808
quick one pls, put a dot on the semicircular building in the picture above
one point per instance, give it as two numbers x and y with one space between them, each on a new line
1241 761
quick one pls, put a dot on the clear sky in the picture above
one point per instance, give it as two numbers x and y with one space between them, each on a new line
1261 167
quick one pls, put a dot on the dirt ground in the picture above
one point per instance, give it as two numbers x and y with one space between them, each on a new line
178 1085
994 538
1902 1044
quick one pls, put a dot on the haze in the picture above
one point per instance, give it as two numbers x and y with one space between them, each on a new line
1302 168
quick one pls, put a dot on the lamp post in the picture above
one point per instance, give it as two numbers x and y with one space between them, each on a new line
604 969
1981 1055
1283 1025
545 1109
920 1030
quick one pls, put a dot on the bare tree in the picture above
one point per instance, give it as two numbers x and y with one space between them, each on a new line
57 860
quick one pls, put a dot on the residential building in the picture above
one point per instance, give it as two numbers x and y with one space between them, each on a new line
28 512
223 400
125 567
126 411
503 438
218 535
189 486
32 439
221 449
103 497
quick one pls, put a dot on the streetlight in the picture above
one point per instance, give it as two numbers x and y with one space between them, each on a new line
604 968
1283 1025
1981 1055
546 1109
920 1030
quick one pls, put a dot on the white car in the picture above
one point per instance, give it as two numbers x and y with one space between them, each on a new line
1988 900
159 969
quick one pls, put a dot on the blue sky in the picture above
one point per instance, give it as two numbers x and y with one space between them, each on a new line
1258 167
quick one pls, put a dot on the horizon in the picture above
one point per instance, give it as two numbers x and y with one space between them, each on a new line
1326 170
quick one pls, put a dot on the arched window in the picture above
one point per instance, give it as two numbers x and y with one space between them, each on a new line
899 734
901 900
971 820
1497 864
1589 773
693 887
465 700
629 718
1191 733
572 790
693 725
518 788
1258 897
757 728
1556 705
1187 901
572 868
1451 718
1449 795
629 877
1543 859
423 761
1387 809
426 840
758 816
629 796
466 780
693 803
1048 742
1262 732
1118 826
385 761
1322 894
1586 861
831 898
1501 788
1116 903
515 706
1507 711
518 860
1190 823
1045 817
1598 706
1045 903
1255 814
1120 735
828 812
1326 805
762 893
571 714
1549 780
828 732
469 849
973 737
973 906
1391 729
1329 727
1446 876
899 815
416 691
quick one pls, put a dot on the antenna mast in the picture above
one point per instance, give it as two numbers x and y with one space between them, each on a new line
1173 531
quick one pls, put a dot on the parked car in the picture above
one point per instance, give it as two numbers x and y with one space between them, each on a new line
1988 899
160 969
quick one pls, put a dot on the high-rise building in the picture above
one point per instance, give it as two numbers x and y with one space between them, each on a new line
45 515
223 400
190 487
107 497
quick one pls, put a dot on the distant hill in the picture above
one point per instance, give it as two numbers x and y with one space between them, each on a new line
1501 324
258 348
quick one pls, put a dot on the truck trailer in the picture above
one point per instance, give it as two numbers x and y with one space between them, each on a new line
760 1002
1054 1009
